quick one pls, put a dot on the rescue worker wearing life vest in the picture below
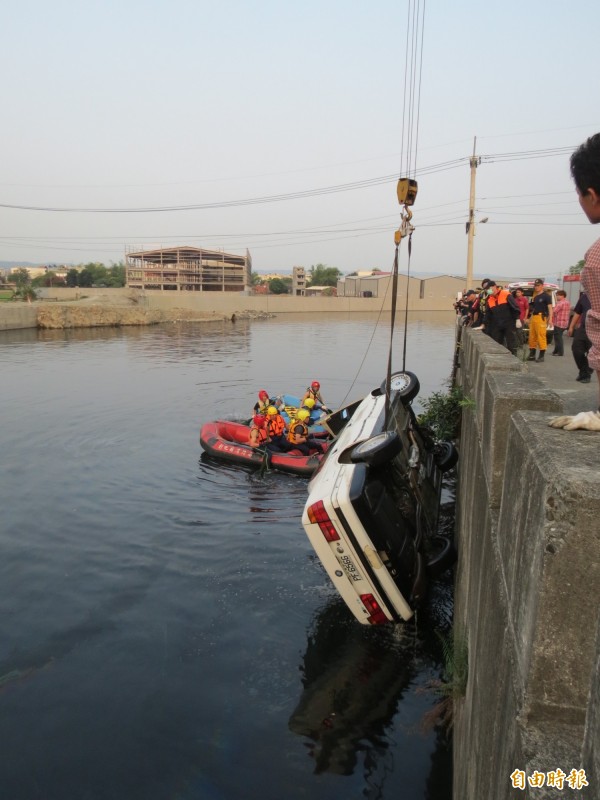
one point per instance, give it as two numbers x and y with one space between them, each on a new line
258 435
264 402
502 313
275 424
313 392
309 404
298 435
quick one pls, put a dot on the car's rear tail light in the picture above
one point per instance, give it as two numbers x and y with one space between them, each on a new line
317 515
377 616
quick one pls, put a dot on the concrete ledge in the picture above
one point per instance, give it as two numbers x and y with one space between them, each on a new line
17 316
549 545
503 394
527 582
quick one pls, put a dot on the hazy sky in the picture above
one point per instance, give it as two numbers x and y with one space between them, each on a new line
155 104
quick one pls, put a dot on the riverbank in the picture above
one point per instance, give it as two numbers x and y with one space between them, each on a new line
105 309
54 308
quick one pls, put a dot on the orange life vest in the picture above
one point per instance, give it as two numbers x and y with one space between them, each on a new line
262 434
297 428
501 297
276 425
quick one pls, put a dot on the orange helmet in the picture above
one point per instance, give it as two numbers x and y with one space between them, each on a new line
315 385
259 420
263 395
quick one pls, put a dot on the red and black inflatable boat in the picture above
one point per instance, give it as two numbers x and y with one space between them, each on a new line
228 441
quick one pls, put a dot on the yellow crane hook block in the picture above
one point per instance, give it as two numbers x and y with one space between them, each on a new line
407 191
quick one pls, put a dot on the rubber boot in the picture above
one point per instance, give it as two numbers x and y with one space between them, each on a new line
531 355
541 356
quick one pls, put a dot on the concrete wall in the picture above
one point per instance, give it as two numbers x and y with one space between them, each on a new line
14 316
527 584
440 295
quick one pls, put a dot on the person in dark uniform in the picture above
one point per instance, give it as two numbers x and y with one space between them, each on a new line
581 342
503 313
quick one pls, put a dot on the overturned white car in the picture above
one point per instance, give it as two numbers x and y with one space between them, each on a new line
373 505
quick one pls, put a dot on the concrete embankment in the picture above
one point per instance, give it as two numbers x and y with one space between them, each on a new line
100 309
528 577
74 308
16 316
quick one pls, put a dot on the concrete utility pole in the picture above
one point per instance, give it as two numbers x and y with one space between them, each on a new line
474 161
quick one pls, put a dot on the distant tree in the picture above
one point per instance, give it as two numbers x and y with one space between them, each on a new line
20 276
49 278
576 268
115 275
73 277
255 279
278 286
86 278
25 292
322 275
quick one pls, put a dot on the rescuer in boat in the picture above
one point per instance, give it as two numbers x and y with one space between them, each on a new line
264 401
299 436
313 392
308 405
277 441
258 435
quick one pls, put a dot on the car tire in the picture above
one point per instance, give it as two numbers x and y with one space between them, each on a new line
409 382
377 450
442 557
446 456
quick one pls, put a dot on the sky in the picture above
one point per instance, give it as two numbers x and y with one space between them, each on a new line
117 106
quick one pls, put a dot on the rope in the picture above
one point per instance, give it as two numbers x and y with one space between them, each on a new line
410 131
389 366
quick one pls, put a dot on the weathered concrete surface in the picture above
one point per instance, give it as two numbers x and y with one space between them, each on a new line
75 315
528 581
14 316
197 306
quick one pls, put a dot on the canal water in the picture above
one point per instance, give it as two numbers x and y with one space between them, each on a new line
166 629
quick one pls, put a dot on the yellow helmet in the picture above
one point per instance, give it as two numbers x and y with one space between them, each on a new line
271 411
303 414
309 402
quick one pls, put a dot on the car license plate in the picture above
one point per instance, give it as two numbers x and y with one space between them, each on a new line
349 568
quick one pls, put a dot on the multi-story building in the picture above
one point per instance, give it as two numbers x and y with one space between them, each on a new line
299 281
188 269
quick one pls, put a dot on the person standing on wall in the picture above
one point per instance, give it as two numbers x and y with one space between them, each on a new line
561 314
541 317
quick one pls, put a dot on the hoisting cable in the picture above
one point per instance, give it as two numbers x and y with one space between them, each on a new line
407 186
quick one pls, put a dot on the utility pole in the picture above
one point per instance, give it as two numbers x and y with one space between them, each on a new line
474 162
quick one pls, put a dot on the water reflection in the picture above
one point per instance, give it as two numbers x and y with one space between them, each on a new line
353 679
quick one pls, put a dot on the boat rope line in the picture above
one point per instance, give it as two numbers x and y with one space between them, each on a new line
407 185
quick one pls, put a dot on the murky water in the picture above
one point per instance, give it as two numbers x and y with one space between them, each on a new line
166 631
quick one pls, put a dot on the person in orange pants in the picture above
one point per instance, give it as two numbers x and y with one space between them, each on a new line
541 317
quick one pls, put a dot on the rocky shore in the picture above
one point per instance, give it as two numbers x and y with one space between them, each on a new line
115 311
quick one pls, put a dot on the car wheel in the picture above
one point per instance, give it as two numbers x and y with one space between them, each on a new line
446 456
405 384
377 450
441 557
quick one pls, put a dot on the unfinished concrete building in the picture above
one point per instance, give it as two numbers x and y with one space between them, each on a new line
188 269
